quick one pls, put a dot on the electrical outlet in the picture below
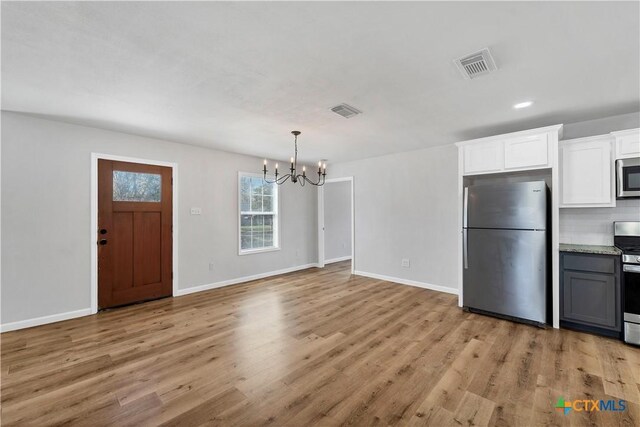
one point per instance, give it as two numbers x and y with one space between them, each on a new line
196 211
406 263
210 266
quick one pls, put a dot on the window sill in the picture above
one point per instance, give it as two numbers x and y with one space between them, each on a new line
257 251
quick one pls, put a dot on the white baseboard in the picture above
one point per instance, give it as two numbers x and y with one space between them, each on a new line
87 311
209 286
423 285
22 324
332 260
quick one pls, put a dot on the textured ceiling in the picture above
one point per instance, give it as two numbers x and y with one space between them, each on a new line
239 76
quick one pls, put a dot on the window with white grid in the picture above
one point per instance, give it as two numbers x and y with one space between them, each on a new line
258 214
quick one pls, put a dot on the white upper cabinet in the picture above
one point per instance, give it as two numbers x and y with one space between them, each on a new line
627 143
507 153
526 152
586 172
484 157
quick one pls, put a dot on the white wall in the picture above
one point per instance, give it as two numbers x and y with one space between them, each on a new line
337 220
601 126
46 214
405 207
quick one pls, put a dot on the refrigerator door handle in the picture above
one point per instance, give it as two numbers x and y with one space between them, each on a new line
465 245
465 207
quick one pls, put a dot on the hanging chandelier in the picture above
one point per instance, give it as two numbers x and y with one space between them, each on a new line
296 177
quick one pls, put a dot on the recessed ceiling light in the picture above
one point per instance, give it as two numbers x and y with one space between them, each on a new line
523 105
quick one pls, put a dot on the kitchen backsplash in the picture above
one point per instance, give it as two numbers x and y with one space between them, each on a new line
594 226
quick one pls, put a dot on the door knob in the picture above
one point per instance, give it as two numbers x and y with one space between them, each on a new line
102 242
103 231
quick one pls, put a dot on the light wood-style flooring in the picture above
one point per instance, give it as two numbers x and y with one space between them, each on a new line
316 347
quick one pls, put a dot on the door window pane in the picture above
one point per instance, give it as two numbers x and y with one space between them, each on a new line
136 187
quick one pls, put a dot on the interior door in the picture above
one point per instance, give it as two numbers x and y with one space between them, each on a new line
134 232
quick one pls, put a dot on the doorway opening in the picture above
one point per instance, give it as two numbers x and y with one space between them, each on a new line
336 226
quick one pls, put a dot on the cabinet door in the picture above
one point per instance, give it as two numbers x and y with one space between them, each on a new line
526 152
586 173
627 144
590 298
483 157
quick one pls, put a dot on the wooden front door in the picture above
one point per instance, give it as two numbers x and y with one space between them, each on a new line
134 233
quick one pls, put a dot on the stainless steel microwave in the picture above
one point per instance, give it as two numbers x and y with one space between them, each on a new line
628 178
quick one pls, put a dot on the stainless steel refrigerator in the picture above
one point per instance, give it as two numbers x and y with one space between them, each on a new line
505 250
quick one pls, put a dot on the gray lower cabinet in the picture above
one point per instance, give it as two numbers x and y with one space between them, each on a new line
590 293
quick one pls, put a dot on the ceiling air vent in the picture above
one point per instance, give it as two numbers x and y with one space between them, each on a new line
346 111
477 64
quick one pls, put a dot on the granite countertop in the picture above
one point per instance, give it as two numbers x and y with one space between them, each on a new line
590 249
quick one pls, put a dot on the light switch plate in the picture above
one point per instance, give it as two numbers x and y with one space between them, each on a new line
196 211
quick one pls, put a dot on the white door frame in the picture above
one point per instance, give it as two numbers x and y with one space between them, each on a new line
321 222
94 218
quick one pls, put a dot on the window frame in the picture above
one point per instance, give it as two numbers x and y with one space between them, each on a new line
276 221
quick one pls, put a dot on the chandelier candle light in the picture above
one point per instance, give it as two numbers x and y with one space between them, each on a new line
301 178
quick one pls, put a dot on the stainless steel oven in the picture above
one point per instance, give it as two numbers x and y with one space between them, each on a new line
631 280
628 178
627 238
